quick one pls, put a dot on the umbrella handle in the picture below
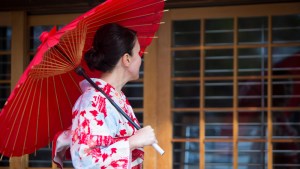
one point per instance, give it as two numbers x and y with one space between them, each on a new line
80 71
158 148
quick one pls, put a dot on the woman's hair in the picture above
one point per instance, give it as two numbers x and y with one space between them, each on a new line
111 42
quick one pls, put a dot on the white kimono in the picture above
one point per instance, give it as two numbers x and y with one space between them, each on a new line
99 133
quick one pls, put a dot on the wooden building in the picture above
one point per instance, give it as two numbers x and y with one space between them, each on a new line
221 84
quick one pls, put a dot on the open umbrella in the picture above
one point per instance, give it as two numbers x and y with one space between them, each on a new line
40 105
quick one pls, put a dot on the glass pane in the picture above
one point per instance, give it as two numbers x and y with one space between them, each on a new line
252 155
252 61
4 93
5 67
186 63
286 124
134 92
218 124
218 155
286 92
186 94
35 32
286 155
253 30
5 38
252 93
4 162
186 33
286 28
252 124
286 63
186 125
186 155
218 31
42 158
139 116
218 94
219 62
286 60
5 74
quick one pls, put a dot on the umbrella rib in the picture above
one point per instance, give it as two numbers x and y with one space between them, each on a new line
67 54
127 11
77 38
76 84
23 116
48 113
48 64
62 52
81 34
58 52
65 58
28 120
135 17
55 53
66 92
145 24
59 113
14 101
108 10
51 65
38 113
18 96
13 148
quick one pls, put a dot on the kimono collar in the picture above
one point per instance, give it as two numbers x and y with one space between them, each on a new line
85 85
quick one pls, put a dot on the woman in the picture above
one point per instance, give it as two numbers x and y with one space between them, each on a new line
102 137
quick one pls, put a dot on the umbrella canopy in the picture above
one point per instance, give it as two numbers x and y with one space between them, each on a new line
41 103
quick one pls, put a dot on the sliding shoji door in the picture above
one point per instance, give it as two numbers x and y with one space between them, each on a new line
229 87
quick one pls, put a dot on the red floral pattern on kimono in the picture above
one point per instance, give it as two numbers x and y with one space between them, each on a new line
100 133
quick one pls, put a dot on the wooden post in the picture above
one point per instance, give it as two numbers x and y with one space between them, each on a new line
18 61
164 114
150 100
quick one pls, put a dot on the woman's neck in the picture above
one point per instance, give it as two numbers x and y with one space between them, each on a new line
116 79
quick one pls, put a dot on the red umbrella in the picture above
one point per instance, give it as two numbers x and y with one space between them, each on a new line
41 103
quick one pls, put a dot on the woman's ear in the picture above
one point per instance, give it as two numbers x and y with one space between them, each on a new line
126 59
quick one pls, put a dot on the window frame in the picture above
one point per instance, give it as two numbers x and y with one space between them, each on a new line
164 121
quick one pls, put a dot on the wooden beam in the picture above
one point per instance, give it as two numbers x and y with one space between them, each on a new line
210 3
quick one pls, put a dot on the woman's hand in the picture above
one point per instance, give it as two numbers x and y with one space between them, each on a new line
142 137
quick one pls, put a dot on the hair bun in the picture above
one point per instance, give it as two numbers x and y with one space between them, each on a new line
89 57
